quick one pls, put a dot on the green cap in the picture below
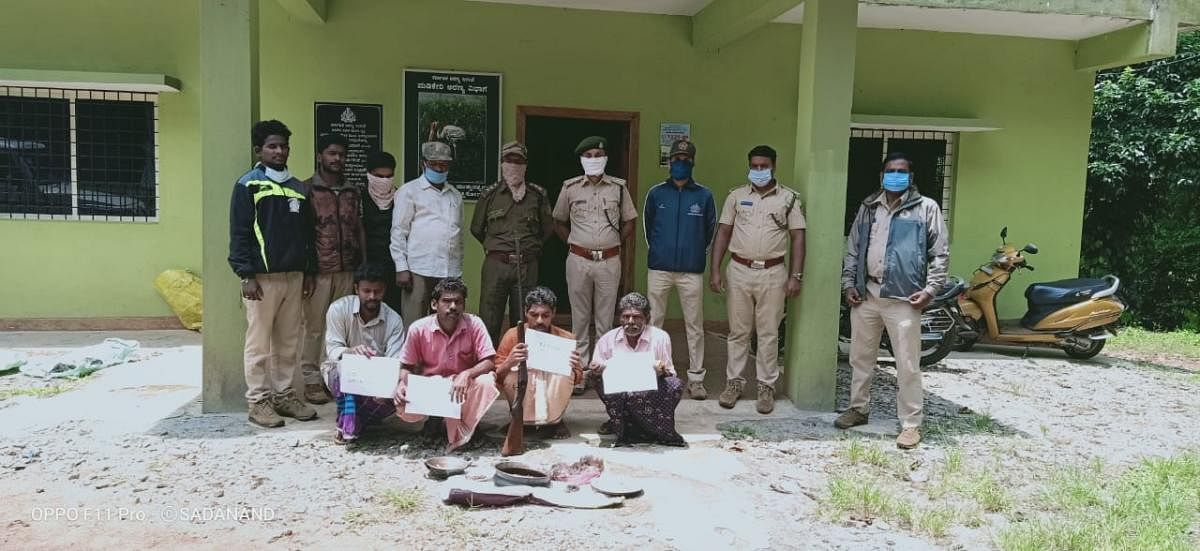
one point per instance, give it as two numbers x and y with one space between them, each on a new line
514 148
590 142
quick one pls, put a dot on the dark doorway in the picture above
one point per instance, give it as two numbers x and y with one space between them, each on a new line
551 134
929 152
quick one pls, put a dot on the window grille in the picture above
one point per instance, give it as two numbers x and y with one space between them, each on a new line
943 165
78 154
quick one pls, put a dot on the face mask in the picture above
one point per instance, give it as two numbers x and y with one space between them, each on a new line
681 169
759 177
896 181
513 173
435 177
381 190
277 176
593 166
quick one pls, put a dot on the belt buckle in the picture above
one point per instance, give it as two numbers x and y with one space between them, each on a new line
514 258
758 264
597 256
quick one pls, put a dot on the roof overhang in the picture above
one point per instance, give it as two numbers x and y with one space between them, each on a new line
90 80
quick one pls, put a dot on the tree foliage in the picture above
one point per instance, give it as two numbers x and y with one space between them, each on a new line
1142 210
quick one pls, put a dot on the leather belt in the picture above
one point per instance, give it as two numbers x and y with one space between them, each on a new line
595 255
511 258
756 264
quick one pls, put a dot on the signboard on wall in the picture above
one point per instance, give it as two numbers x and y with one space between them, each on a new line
668 132
361 124
462 110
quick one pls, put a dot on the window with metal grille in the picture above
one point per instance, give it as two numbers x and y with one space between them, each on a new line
78 154
932 154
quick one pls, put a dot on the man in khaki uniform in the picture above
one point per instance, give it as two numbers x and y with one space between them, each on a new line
756 224
594 214
896 259
512 221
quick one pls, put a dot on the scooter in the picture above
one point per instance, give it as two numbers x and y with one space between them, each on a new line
1075 315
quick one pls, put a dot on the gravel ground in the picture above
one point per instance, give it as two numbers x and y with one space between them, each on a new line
166 475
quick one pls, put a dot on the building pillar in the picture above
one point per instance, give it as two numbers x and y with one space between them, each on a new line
822 149
228 106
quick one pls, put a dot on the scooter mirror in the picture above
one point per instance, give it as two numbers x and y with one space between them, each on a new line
1030 248
1004 234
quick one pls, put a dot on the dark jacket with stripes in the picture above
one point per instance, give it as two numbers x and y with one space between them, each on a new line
270 226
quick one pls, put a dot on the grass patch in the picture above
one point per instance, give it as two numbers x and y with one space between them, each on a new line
454 520
866 500
989 494
946 428
1154 506
404 500
738 432
859 452
1179 343
39 391
954 462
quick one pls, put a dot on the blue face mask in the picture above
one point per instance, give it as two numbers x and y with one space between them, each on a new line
896 181
681 169
759 177
435 177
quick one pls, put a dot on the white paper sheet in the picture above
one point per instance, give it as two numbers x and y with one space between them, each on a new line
431 396
630 372
365 376
549 353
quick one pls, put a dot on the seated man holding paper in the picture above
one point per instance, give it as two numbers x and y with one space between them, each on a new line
446 366
635 378
360 327
553 361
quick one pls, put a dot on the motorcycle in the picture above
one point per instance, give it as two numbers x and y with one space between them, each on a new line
937 323
1075 315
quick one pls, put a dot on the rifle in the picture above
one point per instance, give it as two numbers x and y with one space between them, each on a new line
514 441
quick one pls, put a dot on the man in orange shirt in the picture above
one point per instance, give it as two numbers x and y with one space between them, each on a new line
548 394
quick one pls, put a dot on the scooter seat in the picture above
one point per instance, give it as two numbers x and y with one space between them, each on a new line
1066 291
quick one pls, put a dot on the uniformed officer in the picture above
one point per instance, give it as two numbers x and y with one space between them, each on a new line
756 223
512 221
593 215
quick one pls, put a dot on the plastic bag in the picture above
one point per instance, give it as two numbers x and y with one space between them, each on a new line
182 291
82 362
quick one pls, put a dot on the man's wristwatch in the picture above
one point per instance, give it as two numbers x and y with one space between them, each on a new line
798 276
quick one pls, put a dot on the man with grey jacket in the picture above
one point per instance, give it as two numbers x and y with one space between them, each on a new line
895 262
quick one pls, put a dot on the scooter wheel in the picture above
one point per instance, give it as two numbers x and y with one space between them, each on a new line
1086 352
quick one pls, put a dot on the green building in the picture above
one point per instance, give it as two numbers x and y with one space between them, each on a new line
133 119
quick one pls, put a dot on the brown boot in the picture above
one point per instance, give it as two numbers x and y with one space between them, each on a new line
909 438
288 406
850 418
696 390
263 415
316 394
729 396
766 399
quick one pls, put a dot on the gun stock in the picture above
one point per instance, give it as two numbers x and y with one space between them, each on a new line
514 441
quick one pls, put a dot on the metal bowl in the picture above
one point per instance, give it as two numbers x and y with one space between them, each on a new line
444 467
514 473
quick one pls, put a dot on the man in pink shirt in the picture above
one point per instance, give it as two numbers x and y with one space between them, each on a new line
451 343
639 416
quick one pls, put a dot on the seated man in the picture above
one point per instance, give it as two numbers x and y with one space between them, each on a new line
451 343
639 416
360 324
547 394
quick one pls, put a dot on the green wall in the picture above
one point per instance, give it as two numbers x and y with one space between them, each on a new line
1029 175
83 268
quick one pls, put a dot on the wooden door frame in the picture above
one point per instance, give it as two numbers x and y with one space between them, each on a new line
628 246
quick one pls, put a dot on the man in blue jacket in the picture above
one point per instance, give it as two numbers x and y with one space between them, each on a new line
271 249
680 217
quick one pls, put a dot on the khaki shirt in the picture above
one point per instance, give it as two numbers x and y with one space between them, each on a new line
595 211
499 222
761 222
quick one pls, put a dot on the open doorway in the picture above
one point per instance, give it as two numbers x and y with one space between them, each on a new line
551 134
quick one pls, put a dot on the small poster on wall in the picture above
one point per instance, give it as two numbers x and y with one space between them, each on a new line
462 110
668 132
360 123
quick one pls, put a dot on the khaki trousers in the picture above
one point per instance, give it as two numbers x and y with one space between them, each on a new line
273 336
498 289
592 287
756 301
329 288
903 324
414 302
691 300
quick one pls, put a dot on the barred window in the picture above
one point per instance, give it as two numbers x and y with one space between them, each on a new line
78 154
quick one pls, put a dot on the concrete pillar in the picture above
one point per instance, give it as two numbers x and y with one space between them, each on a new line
228 106
822 148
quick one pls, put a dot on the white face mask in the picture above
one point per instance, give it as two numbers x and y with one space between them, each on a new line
278 176
593 166
760 177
